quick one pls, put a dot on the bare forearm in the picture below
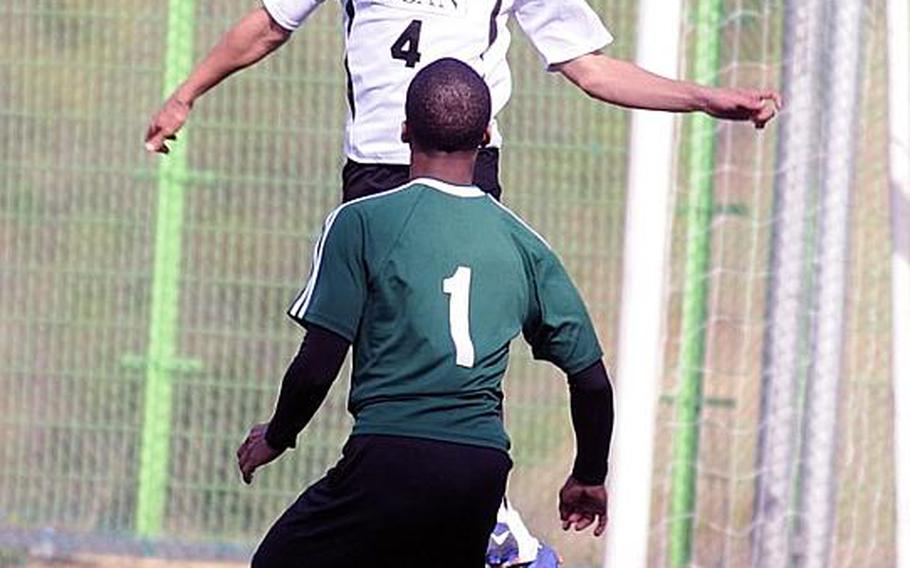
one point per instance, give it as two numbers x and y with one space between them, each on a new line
625 84
250 40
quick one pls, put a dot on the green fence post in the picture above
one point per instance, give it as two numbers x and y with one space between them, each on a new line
700 209
161 362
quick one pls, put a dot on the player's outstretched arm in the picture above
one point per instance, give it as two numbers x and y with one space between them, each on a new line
250 40
625 84
305 385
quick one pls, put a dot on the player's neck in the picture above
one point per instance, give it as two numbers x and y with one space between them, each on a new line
451 167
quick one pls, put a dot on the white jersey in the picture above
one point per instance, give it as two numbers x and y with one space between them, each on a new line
388 41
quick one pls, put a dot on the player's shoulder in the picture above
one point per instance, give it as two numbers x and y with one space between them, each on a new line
520 229
536 253
389 201
379 216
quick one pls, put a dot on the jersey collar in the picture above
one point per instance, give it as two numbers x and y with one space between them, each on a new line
451 189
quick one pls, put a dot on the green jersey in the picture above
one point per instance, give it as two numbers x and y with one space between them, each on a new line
431 282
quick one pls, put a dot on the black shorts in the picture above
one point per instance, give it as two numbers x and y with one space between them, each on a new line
393 502
359 180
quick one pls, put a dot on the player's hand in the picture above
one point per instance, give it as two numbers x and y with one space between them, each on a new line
582 505
255 452
758 107
166 123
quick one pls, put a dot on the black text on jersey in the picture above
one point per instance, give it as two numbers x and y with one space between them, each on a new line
410 37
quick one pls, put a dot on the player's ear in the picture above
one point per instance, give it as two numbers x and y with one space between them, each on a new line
487 137
405 134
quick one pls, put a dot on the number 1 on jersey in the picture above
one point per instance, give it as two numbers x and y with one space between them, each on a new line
458 287
409 37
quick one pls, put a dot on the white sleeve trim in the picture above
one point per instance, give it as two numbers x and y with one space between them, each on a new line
561 30
290 14
577 50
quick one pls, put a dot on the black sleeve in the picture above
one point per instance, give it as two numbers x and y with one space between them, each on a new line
305 385
591 400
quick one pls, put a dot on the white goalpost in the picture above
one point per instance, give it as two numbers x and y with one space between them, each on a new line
640 356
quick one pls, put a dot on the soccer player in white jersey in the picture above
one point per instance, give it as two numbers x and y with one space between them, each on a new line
388 41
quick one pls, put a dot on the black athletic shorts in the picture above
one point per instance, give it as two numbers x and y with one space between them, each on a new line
393 502
359 180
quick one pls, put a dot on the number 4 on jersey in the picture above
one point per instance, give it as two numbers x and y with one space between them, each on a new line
458 286
410 37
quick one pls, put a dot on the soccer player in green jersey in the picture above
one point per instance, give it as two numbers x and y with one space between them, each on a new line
429 282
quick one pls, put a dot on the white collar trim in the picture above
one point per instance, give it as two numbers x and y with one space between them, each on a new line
451 189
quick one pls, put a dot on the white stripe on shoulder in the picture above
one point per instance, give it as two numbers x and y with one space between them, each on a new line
520 220
302 302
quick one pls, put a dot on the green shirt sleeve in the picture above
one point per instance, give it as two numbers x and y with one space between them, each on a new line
558 326
335 294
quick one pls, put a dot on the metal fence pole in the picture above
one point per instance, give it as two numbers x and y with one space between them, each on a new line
819 451
700 213
162 360
899 173
794 179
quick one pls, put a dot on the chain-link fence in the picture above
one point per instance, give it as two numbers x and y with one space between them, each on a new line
142 299
748 293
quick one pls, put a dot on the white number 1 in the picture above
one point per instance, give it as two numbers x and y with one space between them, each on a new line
458 286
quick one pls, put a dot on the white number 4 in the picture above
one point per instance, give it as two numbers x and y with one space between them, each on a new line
458 286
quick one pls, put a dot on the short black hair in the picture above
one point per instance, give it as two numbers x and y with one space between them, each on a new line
448 107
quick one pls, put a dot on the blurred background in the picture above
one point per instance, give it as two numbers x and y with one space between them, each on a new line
142 299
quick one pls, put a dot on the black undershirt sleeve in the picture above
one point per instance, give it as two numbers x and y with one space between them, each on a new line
305 385
591 401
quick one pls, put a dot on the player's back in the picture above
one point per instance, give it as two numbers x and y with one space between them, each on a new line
448 282
388 41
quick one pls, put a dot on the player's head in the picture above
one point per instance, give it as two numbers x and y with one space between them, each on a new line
447 109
